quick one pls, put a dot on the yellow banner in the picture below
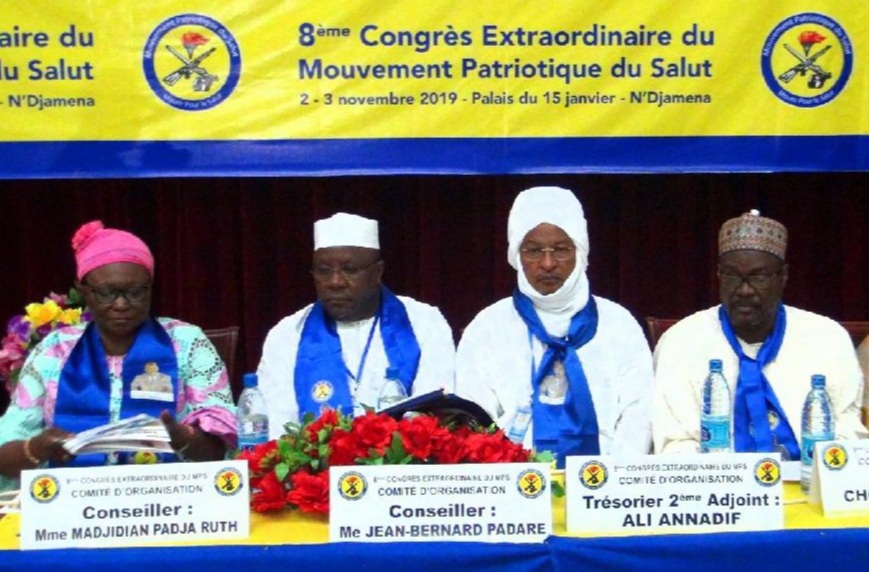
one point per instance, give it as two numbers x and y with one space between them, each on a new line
306 71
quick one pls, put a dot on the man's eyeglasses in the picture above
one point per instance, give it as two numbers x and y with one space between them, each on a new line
756 281
106 296
348 272
535 253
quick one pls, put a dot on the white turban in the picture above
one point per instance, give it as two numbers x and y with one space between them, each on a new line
559 207
344 229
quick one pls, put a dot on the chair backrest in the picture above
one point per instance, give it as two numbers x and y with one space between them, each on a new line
225 341
657 326
857 330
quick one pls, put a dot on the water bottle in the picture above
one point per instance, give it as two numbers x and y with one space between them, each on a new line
715 412
251 417
521 421
817 426
392 391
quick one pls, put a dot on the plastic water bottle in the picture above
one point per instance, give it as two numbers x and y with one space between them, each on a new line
251 416
715 412
392 391
817 426
519 427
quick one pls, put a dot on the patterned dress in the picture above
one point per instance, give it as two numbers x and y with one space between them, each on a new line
204 399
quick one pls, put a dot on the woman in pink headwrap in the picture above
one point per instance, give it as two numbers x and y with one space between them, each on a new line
123 363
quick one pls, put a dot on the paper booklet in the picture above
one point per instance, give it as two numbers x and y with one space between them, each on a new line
443 404
139 433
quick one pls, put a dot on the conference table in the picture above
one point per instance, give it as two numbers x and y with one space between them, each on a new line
290 541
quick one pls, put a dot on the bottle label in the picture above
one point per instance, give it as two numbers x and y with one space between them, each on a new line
807 447
248 441
520 425
715 433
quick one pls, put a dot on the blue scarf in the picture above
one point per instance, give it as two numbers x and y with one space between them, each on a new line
320 376
571 428
84 388
755 398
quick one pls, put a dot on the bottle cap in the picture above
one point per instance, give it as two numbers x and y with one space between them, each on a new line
250 380
818 381
715 365
391 373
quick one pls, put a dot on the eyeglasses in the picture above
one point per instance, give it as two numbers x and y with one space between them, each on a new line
758 282
106 296
348 272
535 253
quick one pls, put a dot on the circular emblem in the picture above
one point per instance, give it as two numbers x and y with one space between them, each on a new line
531 483
835 457
767 472
145 458
192 62
352 486
227 481
772 418
807 60
322 391
593 475
44 488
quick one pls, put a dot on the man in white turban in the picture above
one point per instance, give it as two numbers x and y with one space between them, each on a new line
338 352
559 369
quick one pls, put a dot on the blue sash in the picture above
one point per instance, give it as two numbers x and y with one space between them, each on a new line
571 428
755 400
84 388
320 376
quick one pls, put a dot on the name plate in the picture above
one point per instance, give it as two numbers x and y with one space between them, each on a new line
842 469
675 493
134 504
416 503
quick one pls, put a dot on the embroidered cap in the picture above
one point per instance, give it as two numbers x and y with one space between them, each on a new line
753 232
342 229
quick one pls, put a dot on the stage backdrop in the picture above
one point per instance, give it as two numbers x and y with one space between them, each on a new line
101 88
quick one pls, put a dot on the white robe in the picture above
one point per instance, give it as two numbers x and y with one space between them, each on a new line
494 363
812 344
277 366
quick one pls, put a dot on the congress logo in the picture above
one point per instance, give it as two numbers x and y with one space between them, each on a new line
145 458
352 485
227 482
835 457
531 483
322 391
192 62
807 60
593 475
44 488
767 472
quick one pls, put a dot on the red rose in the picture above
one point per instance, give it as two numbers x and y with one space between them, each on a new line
344 448
310 492
449 449
261 458
484 448
374 431
328 420
418 435
269 494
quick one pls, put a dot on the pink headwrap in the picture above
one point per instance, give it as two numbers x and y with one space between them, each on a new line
96 246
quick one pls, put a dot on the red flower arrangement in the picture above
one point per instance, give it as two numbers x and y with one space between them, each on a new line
293 471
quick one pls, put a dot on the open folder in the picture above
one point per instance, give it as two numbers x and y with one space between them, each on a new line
443 404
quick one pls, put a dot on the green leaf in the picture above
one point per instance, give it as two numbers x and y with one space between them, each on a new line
557 489
281 471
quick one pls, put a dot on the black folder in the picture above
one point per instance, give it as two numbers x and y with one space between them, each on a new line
443 404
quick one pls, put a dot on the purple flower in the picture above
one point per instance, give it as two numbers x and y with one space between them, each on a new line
19 326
